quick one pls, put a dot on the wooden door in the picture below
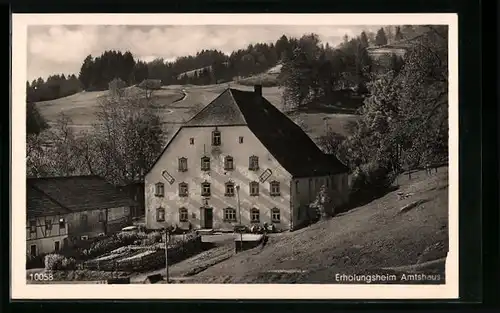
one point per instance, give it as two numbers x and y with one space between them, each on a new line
209 218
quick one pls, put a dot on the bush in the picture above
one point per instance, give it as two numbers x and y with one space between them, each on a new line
114 242
58 262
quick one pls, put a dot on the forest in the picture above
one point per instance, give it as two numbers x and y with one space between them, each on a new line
203 68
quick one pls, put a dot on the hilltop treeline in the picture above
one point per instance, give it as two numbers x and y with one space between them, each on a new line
205 67
56 86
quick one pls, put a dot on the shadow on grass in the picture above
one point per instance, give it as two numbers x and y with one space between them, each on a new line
363 197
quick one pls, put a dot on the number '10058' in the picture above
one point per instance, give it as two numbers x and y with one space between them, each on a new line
41 276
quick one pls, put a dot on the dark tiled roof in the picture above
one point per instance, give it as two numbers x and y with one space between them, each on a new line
79 193
39 204
284 139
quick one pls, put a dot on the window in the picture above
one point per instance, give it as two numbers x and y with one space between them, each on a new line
274 187
33 226
228 163
205 189
61 223
57 245
241 139
254 188
253 163
297 187
160 215
216 138
254 215
101 217
183 189
84 218
159 189
48 224
33 251
183 215
275 215
229 215
183 164
205 164
229 189
191 141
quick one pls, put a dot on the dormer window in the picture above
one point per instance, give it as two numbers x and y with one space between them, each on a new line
205 163
253 163
183 164
228 163
159 189
216 138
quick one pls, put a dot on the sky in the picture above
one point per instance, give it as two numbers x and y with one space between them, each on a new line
61 49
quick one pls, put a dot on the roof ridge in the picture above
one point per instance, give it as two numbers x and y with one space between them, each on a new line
237 104
206 106
51 198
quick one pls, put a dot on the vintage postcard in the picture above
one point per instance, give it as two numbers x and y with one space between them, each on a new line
219 156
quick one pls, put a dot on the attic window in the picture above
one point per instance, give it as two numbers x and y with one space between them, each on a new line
216 138
191 141
241 139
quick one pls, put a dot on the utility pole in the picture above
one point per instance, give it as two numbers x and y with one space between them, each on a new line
166 254
239 217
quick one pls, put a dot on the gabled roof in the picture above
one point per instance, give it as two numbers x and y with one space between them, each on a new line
284 139
74 193
39 204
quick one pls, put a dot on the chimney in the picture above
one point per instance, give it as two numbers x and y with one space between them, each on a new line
258 90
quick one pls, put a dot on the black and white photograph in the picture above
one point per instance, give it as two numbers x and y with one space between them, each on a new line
198 151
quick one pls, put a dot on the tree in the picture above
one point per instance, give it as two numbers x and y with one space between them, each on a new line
323 204
398 36
35 123
116 87
126 140
86 74
363 40
297 80
380 38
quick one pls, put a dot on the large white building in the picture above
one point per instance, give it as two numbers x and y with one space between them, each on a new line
239 160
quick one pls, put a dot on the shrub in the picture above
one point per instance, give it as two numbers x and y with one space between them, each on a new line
58 262
111 243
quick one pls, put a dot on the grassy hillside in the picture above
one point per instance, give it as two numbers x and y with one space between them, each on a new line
376 238
178 103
